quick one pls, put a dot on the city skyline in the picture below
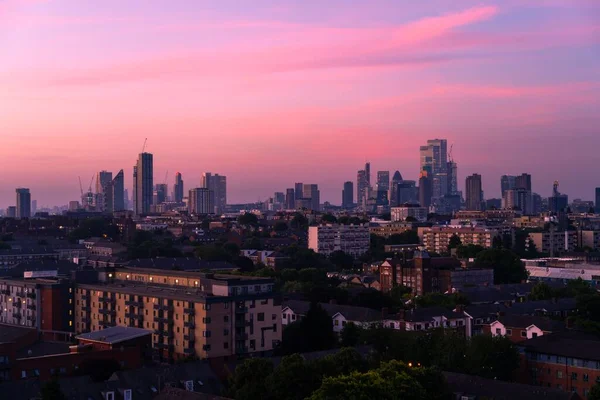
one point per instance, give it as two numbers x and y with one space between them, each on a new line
513 86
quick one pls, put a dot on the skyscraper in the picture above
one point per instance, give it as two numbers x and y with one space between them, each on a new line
363 185
23 207
393 196
348 195
598 199
311 191
407 192
104 196
118 192
452 171
143 183
523 181
178 188
201 201
33 207
218 184
383 187
507 182
279 198
290 199
434 156
557 202
160 193
474 194
298 191
425 189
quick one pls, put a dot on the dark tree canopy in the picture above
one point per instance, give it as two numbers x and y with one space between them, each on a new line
508 267
248 219
250 379
313 333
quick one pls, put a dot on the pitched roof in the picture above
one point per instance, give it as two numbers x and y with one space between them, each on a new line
525 321
566 344
485 310
427 314
469 385
351 313
551 306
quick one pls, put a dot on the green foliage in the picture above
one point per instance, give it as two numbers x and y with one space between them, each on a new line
469 251
454 242
248 219
280 226
312 333
350 335
95 227
341 260
250 379
407 237
51 391
541 291
594 393
299 221
150 245
492 357
293 379
329 218
508 267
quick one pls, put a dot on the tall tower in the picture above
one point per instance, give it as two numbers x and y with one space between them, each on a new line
143 178
23 209
425 189
348 195
118 192
201 201
363 185
290 199
178 188
474 195
311 191
104 195
218 184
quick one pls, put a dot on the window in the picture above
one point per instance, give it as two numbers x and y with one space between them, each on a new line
252 304
206 347
509 332
109 396
207 306
127 394
586 378
226 345
252 344
260 316
274 327
206 320
343 323
205 333
559 374
274 317
226 318
534 334
498 331
225 332
293 317
284 316
573 376
523 333
336 322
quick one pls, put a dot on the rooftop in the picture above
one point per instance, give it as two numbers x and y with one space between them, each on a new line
524 321
114 335
11 333
351 313
566 344
42 349
427 314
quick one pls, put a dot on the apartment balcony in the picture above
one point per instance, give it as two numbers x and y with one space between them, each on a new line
31 318
17 315
189 324
133 315
86 308
241 350
31 307
20 294
164 333
242 323
164 346
134 303
241 310
242 336
189 337
189 311
85 297
105 311
106 299
163 320
31 295
5 291
17 304
163 307
189 351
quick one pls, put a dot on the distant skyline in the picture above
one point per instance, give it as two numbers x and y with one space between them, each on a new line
269 93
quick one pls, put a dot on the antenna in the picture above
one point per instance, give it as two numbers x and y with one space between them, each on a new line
144 146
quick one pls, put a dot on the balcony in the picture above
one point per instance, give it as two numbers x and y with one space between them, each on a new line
242 323
189 351
105 311
162 307
163 320
164 333
85 297
86 308
20 294
191 338
133 303
17 304
189 311
5 291
31 318
164 346
31 295
134 316
241 350
189 324
17 315
241 336
241 310
31 307
106 299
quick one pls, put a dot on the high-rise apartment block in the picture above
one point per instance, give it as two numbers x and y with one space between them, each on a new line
393 194
290 198
348 195
474 193
160 193
598 200
143 184
190 314
118 192
178 189
382 187
363 185
351 239
218 184
201 201
437 238
298 191
23 207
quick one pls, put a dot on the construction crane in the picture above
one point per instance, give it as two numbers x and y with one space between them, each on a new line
144 146
80 186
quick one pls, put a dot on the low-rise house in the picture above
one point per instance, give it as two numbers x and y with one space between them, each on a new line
422 319
294 310
482 315
522 327
554 307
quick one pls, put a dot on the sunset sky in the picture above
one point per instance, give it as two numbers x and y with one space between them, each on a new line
275 92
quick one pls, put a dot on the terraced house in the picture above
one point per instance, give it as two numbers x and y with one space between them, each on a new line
189 313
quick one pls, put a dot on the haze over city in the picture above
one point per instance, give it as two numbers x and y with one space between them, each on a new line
269 93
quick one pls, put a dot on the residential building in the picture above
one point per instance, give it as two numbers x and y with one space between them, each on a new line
311 191
363 185
523 181
143 184
104 192
295 310
437 238
392 228
218 185
424 319
415 211
201 201
298 187
474 197
519 328
290 199
590 239
561 274
189 313
33 207
351 239
567 360
554 242
507 182
348 195
178 188
23 207
12 257
11 212
406 192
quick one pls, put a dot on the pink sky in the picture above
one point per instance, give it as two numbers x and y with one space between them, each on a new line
273 92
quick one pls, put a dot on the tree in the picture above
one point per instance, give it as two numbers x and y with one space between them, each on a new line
350 335
497 242
51 391
454 242
541 291
232 249
469 251
248 219
329 218
508 267
280 226
293 379
299 221
492 357
313 333
341 260
249 381
244 264
594 393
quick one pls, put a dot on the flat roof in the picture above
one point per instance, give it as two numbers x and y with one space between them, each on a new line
114 335
220 278
10 333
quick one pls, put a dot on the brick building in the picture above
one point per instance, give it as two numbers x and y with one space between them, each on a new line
189 313
519 328
437 238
